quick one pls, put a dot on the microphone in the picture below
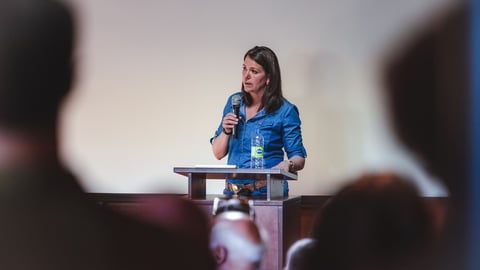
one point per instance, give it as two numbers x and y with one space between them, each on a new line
236 110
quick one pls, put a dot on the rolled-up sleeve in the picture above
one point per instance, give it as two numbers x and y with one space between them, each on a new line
292 136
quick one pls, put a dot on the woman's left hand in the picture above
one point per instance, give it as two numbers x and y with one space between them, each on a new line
294 164
284 165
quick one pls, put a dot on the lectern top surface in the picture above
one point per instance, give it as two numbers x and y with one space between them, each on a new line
227 172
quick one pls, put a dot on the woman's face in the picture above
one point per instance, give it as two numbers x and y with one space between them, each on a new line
254 78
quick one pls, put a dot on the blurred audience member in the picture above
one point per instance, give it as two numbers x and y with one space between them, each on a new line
241 204
46 220
300 255
378 221
430 75
235 240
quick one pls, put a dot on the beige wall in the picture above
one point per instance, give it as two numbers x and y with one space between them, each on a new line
153 77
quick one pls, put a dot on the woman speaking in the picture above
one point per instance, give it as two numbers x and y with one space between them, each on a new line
259 108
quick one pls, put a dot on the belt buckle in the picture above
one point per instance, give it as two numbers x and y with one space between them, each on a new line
240 189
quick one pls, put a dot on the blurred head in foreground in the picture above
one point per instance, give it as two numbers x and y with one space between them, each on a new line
236 241
300 254
378 221
36 48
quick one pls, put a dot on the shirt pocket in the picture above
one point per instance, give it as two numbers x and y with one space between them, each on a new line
271 132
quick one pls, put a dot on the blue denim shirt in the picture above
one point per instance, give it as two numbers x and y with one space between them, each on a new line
281 132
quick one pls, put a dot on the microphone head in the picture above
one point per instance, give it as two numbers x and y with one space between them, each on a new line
236 100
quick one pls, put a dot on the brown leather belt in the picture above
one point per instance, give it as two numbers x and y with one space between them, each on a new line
249 186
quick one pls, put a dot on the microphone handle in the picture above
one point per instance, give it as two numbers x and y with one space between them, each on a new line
236 111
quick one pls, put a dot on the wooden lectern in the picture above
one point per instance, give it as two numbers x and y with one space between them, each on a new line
277 215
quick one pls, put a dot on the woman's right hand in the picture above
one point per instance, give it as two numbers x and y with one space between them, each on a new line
229 122
220 144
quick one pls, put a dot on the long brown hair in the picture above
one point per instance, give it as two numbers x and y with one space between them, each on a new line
273 96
